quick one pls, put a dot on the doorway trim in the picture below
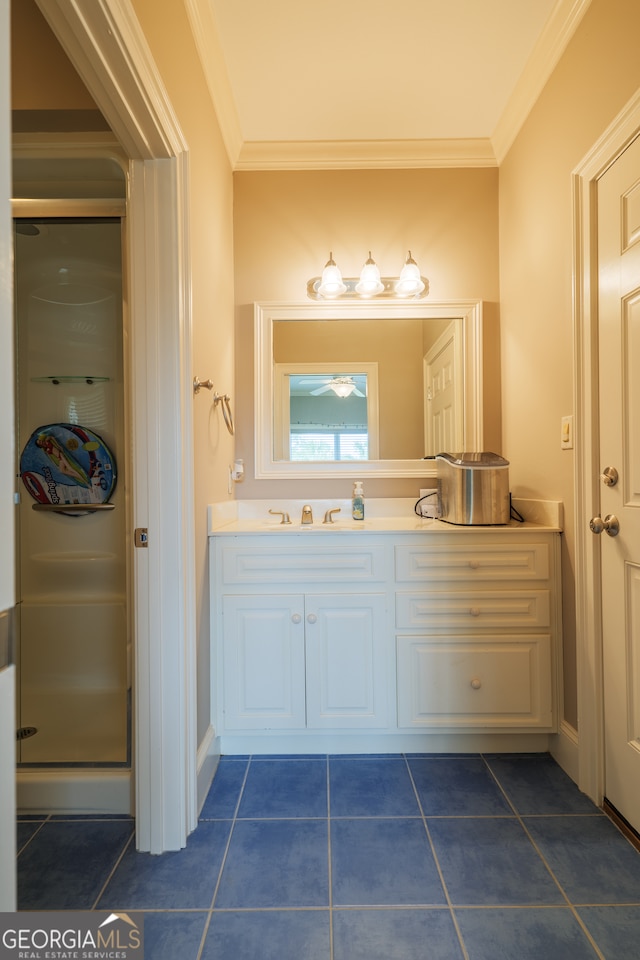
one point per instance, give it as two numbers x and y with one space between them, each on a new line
613 142
104 41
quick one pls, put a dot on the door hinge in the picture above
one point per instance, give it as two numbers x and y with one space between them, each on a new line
141 537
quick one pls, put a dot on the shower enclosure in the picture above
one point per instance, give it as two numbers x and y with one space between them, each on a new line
74 677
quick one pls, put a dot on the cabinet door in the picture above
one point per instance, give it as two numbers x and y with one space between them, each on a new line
263 650
346 661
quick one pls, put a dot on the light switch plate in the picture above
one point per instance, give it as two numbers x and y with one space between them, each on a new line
566 433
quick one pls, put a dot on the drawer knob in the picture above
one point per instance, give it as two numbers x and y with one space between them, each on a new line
311 618
474 611
296 618
476 683
474 564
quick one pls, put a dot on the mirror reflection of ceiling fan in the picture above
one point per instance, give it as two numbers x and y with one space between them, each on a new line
341 386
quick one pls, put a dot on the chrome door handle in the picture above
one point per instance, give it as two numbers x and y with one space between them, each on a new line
610 525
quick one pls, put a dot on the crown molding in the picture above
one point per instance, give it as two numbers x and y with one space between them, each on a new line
364 154
553 41
207 40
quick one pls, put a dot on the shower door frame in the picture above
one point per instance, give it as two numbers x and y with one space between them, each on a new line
104 41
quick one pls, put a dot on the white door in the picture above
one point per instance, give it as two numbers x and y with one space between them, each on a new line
7 556
619 405
440 395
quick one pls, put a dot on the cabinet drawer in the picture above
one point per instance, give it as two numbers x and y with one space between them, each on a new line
315 564
469 562
480 610
462 683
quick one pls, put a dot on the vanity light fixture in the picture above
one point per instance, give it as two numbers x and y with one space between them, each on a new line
331 285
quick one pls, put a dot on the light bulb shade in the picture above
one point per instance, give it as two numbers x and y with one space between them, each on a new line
410 282
331 284
370 283
342 387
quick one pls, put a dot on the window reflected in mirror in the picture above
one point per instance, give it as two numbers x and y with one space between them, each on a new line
326 412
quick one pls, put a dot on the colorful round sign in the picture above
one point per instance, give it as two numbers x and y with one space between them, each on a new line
66 463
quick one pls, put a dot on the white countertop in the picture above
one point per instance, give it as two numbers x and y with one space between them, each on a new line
382 515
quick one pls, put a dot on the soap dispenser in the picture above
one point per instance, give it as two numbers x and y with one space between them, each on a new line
357 501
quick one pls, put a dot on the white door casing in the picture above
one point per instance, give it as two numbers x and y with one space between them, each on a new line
7 509
619 418
104 41
591 757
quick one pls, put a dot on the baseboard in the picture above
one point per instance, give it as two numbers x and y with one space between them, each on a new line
564 749
258 744
206 764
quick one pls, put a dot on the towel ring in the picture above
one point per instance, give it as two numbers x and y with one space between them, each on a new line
225 405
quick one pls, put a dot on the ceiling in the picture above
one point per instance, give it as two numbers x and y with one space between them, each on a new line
346 83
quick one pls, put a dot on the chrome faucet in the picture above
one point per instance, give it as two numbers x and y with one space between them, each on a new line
328 517
307 515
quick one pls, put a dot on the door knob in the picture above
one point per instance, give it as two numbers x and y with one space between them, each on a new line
610 525
311 618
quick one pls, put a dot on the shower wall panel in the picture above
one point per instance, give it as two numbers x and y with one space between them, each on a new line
73 648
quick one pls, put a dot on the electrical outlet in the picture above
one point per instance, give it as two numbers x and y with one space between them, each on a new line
429 507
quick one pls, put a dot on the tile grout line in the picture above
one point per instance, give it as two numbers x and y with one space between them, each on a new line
113 869
452 913
207 922
35 833
234 820
330 871
520 820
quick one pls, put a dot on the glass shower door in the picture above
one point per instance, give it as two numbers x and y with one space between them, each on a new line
73 649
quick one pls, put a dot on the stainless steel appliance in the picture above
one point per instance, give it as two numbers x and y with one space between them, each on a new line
473 488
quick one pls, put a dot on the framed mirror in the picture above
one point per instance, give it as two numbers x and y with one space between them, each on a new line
383 385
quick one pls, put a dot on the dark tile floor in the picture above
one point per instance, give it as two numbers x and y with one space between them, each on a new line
361 858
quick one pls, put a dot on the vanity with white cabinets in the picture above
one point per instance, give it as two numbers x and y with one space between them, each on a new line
392 634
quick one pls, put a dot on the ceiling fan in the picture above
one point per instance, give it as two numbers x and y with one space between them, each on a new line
341 386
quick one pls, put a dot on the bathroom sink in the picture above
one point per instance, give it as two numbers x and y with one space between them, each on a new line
294 527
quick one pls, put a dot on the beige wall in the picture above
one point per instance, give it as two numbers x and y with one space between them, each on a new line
596 76
209 220
42 78
285 224
210 234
